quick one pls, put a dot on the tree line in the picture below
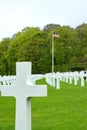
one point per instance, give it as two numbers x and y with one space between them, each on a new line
35 45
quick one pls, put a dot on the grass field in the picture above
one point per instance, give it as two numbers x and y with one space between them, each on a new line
64 109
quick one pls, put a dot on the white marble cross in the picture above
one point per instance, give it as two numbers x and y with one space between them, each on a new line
23 90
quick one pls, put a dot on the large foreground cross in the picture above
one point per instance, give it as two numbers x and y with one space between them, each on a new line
23 90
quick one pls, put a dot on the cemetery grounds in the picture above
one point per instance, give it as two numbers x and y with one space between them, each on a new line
64 109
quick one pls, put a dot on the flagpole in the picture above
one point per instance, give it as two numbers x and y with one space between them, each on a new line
52 53
53 36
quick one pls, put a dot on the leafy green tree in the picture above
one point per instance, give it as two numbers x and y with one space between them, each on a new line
36 51
50 27
82 42
4 45
19 40
35 45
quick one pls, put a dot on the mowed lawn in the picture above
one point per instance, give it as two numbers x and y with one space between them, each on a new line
64 109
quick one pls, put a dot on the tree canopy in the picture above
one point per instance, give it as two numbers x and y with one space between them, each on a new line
35 45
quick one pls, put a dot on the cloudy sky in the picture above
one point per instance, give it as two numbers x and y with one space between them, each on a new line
17 14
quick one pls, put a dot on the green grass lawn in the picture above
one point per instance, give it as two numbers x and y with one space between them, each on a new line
64 109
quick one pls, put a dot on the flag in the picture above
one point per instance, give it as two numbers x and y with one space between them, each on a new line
55 35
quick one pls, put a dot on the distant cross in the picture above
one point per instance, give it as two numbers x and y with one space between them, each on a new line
23 90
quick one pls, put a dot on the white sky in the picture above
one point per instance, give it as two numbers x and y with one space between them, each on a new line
17 14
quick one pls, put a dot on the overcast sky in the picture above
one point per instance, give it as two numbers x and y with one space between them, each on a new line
17 14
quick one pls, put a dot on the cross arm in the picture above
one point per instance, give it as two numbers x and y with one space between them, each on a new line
37 91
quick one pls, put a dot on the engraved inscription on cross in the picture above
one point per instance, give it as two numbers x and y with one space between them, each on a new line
23 90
